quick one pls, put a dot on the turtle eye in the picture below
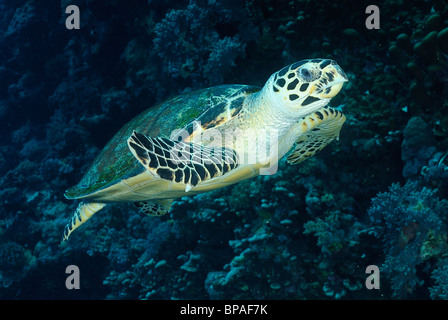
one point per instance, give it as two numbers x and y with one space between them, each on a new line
306 74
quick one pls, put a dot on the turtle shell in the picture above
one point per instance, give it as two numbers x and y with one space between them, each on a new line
211 107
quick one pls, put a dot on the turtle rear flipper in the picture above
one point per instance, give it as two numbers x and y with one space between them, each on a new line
319 129
155 208
181 162
83 213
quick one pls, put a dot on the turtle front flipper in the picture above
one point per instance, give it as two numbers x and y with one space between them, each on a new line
181 162
83 213
317 131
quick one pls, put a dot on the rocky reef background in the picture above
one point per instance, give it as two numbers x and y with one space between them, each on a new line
375 197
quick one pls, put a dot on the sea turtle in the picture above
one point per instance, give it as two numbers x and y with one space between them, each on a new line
211 138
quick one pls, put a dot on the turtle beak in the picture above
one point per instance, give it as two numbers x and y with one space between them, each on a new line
332 89
335 77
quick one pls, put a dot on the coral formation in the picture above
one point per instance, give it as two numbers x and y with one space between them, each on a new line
375 197
412 224
417 147
202 42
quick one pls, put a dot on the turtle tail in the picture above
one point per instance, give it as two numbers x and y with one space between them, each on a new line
83 213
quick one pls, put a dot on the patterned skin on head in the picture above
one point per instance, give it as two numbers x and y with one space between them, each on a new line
308 81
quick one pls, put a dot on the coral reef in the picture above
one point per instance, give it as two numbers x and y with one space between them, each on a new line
440 289
378 196
202 42
417 147
412 224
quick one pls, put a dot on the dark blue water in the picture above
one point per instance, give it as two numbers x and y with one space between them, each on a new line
376 197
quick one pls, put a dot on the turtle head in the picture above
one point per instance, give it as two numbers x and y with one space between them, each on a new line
305 86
